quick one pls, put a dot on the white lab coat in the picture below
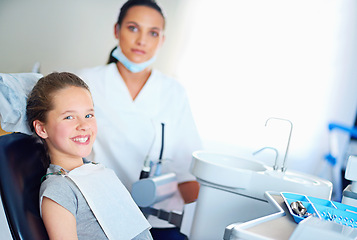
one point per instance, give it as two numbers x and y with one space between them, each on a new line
127 128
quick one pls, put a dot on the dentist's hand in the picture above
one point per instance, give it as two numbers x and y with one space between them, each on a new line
189 191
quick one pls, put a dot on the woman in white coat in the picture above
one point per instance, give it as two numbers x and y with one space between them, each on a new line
135 104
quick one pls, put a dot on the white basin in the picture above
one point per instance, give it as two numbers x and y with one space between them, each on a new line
224 170
291 181
253 178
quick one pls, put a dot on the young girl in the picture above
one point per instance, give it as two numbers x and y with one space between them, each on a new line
78 199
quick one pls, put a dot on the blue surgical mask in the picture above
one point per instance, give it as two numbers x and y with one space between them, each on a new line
131 66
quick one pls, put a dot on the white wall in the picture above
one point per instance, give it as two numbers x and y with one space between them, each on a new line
247 61
68 35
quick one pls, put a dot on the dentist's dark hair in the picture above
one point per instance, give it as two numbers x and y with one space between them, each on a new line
39 101
123 11
132 3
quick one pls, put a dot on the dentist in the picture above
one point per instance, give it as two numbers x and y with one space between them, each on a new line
143 114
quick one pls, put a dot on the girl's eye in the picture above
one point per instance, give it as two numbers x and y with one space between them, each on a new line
133 28
89 115
68 117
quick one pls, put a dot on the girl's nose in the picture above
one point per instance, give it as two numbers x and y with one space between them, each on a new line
83 125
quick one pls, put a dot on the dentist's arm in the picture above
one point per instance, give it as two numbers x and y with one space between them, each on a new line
189 191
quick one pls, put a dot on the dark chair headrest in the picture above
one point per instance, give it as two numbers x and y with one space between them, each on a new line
21 170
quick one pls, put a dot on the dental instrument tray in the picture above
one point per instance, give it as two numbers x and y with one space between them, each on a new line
301 207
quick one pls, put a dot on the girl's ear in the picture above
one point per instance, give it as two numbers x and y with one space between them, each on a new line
40 129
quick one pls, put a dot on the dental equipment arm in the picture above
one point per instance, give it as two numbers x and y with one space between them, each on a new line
147 192
172 217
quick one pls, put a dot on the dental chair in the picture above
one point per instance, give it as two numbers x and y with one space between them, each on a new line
20 178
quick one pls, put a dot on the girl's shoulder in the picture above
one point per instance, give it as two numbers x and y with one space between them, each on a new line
59 184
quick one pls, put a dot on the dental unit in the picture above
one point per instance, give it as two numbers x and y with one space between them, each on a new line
300 217
232 188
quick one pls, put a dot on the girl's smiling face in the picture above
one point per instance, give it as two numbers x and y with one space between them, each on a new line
70 128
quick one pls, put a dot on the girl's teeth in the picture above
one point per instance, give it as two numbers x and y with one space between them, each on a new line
82 140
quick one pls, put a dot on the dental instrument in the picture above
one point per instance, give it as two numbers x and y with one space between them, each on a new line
159 163
298 208
145 172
